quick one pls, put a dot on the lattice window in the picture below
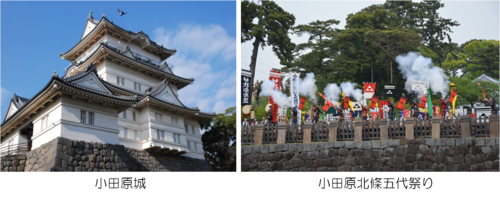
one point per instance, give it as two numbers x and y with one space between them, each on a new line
83 117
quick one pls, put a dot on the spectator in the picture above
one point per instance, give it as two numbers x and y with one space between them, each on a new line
493 106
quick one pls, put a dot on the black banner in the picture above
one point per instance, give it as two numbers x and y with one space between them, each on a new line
246 90
389 89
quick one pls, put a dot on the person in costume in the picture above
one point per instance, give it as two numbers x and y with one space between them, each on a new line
414 107
270 115
443 107
317 111
294 115
365 112
391 110
493 106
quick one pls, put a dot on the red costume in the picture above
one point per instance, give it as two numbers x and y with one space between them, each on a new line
365 112
443 107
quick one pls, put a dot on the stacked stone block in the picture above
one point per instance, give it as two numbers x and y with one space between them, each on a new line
13 163
455 154
62 154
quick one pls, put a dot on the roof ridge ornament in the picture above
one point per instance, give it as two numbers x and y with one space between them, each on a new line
55 74
90 14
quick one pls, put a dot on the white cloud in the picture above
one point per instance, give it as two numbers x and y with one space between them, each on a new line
3 93
206 41
213 90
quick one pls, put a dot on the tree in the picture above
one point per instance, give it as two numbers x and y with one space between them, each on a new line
217 140
272 29
393 42
257 89
455 62
482 57
423 18
469 91
247 11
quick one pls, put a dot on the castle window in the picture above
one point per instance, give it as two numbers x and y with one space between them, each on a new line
83 117
125 133
177 138
137 86
120 81
91 118
45 121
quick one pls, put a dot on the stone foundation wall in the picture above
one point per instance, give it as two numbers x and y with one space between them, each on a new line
62 154
454 154
13 163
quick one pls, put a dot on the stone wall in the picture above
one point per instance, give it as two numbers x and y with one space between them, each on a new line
62 154
13 163
454 154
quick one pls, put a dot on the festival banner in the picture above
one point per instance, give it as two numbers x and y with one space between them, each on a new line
302 102
381 107
275 76
369 90
452 96
246 90
484 94
346 102
423 101
373 102
419 87
374 115
406 113
421 115
402 102
294 89
326 107
429 104
356 106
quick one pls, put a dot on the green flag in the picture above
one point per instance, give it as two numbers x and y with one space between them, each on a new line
429 103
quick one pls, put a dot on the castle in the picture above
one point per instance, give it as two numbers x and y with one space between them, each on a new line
118 90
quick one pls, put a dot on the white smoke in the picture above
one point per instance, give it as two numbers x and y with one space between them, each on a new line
349 90
332 93
307 87
415 67
278 97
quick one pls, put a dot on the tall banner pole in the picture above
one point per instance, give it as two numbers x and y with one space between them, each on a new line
246 79
275 76
294 92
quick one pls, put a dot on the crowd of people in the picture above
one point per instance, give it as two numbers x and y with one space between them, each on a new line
439 110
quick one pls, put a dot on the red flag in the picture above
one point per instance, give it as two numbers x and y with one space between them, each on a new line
302 102
275 76
346 102
369 87
423 101
373 102
326 107
452 96
401 103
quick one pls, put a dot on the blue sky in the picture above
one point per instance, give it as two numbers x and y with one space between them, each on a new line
33 34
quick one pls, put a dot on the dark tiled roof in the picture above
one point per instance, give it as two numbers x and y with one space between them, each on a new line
18 101
89 70
94 21
134 59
